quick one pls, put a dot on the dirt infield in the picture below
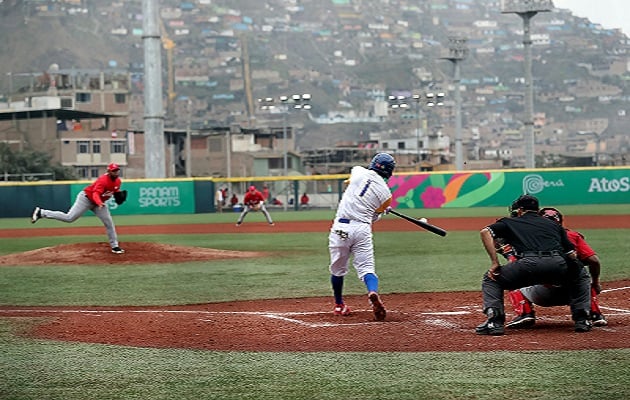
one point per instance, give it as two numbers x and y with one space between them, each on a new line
415 321
390 224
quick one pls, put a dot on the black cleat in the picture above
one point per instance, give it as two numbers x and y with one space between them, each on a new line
117 250
583 325
493 325
598 320
522 321
491 328
37 214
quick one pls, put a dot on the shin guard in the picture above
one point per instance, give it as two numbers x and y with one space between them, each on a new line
594 302
520 304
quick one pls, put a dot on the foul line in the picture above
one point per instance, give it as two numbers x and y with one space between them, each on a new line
615 289
289 317
282 316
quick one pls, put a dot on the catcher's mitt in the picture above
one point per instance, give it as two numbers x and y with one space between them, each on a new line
120 197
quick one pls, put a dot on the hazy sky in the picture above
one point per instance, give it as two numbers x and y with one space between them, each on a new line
609 13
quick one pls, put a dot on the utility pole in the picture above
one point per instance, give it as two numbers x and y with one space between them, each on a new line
457 51
188 141
154 157
527 9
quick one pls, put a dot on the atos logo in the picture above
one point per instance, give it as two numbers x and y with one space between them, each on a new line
609 185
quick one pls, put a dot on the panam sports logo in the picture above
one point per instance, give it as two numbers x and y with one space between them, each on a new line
167 196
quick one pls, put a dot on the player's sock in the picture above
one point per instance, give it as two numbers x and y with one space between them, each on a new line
594 302
371 282
337 285
520 303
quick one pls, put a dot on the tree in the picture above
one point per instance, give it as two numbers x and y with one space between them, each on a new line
31 162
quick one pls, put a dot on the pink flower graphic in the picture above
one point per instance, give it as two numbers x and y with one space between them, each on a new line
433 197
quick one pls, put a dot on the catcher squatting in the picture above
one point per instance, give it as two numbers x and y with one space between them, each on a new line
544 255
93 197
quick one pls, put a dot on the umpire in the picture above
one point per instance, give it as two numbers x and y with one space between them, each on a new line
544 256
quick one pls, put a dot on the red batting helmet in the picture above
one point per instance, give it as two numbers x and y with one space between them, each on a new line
113 167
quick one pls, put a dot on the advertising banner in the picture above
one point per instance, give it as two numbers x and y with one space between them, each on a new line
161 197
500 188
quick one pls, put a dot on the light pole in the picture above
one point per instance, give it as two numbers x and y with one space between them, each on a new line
457 52
527 9
598 142
288 103
10 75
430 99
188 139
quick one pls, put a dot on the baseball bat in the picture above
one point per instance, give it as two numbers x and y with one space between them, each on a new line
431 228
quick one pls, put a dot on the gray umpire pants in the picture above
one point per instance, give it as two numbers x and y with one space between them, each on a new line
80 206
530 271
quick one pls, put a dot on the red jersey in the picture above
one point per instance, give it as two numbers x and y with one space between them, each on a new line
102 189
253 198
582 248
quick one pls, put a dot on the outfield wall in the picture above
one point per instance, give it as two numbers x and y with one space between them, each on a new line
466 189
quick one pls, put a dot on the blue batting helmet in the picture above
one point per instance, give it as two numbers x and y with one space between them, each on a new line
383 164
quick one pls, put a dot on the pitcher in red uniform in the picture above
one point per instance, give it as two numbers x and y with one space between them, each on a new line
93 197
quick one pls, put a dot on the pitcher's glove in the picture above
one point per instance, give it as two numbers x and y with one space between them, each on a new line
120 197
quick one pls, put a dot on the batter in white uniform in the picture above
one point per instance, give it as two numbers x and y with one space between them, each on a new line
363 202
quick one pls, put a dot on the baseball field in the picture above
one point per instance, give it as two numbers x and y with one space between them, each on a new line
198 308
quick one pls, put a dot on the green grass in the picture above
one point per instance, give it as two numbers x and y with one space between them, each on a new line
35 369
296 267
279 214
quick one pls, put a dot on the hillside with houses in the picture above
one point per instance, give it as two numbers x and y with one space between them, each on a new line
221 56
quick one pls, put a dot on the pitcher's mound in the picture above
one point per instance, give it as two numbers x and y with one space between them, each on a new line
135 253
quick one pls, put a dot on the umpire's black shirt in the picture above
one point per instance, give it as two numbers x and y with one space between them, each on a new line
532 232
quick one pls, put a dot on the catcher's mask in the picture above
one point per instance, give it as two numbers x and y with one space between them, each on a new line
552 214
383 164
513 209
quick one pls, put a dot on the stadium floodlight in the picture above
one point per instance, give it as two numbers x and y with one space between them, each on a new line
527 9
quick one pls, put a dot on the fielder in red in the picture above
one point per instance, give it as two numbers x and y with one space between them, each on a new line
254 201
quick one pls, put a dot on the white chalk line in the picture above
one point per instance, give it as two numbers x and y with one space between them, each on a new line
615 289
620 311
315 324
283 316
287 316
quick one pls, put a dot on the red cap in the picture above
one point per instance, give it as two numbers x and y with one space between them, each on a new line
113 167
252 188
